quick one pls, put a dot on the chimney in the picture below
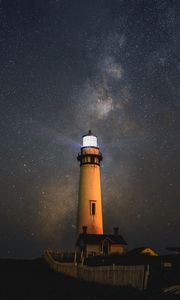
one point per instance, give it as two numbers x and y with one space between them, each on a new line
84 228
116 230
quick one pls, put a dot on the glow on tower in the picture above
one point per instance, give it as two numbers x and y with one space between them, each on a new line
89 202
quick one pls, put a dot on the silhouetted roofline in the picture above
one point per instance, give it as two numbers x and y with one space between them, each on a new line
176 249
98 238
139 250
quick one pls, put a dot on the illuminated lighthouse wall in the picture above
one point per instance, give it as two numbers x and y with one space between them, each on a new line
90 204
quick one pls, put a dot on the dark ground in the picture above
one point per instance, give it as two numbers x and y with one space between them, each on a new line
32 279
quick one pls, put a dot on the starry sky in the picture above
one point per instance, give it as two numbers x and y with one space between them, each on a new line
69 66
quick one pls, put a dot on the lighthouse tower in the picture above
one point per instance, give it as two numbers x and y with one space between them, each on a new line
90 204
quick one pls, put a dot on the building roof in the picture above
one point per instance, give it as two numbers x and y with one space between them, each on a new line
143 251
99 238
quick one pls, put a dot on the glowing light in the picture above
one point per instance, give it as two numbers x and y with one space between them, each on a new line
89 141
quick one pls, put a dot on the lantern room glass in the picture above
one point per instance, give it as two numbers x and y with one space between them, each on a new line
89 141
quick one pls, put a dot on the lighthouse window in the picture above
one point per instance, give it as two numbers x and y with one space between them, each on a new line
92 208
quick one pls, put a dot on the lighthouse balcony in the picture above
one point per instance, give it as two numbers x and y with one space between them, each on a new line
91 158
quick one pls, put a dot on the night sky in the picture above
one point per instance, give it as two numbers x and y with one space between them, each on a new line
66 66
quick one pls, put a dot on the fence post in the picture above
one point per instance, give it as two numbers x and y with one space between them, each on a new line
146 276
113 267
75 258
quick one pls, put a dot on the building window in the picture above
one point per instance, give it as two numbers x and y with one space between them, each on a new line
92 159
105 247
93 208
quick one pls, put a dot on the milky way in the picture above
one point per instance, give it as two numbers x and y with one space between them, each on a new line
70 66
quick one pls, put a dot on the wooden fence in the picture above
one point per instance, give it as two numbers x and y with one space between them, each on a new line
135 276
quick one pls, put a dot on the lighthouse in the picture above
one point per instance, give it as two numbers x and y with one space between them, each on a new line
90 238
89 219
